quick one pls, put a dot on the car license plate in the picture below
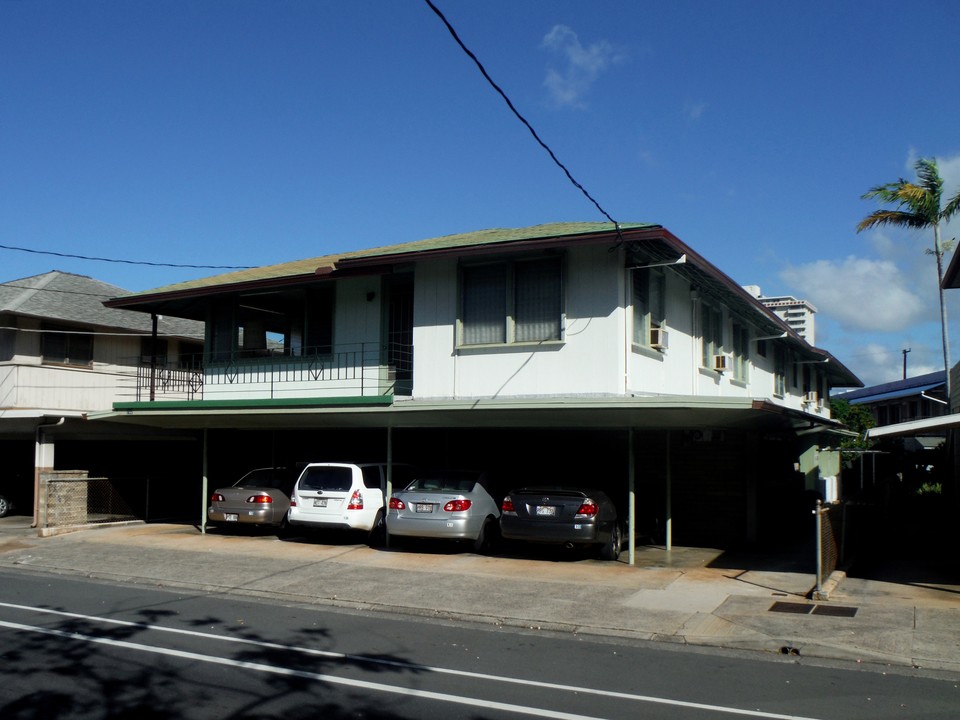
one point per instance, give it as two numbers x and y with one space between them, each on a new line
548 510
319 502
230 517
424 507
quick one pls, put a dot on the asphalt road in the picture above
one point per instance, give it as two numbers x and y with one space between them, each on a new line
76 648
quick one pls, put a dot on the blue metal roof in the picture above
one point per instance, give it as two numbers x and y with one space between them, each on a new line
916 390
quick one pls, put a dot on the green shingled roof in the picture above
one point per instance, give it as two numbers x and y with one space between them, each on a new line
493 236
309 266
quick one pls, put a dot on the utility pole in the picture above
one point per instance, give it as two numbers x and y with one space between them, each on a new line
905 351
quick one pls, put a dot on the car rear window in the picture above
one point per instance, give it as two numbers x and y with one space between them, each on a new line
266 478
328 479
444 483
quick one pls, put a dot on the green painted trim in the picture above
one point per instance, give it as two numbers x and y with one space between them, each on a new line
161 405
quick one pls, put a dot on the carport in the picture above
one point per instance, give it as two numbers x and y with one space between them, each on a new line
673 419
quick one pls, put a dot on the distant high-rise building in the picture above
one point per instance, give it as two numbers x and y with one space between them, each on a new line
798 314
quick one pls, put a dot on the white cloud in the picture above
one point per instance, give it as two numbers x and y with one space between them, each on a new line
860 294
884 245
878 363
950 172
583 65
694 110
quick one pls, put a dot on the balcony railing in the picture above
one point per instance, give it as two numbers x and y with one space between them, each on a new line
363 369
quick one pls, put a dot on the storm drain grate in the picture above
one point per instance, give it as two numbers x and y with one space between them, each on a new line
789 607
834 610
805 609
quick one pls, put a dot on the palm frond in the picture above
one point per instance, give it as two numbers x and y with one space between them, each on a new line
951 208
891 217
885 193
917 203
929 175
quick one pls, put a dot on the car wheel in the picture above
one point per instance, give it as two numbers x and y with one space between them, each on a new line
487 536
283 531
611 549
378 533
5 506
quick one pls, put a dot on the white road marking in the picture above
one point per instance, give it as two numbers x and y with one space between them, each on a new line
368 660
290 672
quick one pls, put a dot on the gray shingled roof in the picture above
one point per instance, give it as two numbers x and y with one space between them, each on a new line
78 299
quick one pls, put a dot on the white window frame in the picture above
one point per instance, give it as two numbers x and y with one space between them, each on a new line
711 334
648 298
741 352
506 297
779 372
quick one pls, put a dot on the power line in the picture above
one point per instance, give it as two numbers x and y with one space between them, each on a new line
66 292
516 112
127 262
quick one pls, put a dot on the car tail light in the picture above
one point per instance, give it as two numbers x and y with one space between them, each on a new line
397 504
588 509
260 499
217 497
507 506
356 501
457 505
293 502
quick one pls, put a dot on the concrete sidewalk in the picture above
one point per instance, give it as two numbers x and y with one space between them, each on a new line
673 597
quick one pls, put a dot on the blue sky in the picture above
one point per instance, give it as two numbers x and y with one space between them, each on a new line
253 132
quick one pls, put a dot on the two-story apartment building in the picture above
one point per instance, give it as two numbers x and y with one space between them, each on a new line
64 355
619 355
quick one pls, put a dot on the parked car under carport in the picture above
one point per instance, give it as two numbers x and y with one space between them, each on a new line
573 517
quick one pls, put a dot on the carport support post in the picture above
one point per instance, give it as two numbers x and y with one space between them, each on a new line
389 493
668 473
206 483
632 499
153 359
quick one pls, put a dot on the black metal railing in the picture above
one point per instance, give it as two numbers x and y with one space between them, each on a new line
359 369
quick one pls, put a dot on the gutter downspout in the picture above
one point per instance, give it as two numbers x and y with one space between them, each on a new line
36 467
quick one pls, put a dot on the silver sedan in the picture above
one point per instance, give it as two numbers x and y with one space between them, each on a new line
451 505
261 497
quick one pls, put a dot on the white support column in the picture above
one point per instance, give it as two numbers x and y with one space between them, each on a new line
389 493
43 461
206 487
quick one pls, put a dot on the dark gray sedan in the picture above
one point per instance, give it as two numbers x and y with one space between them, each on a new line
563 516
261 497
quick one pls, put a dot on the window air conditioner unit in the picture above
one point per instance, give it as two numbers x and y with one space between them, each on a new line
721 363
658 338
810 398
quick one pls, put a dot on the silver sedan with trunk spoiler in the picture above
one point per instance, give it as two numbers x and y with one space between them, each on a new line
451 505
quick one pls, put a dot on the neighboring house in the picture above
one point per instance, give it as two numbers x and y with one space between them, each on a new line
64 355
910 432
581 352
916 398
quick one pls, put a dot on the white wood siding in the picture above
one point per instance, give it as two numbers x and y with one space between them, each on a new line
27 383
588 361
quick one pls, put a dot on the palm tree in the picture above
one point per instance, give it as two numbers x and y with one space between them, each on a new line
918 205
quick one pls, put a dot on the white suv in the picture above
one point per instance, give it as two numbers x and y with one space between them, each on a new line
342 496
